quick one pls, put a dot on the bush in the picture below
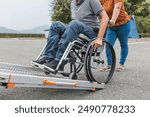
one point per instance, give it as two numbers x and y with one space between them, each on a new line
145 34
143 24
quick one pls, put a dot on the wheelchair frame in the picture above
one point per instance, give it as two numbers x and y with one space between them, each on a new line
84 44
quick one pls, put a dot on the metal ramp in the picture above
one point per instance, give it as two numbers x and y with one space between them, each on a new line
12 75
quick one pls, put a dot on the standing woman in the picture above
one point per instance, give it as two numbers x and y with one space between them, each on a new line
119 27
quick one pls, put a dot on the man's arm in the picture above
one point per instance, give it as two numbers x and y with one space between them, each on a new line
104 22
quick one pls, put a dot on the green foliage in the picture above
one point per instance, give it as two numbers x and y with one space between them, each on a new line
141 10
145 34
143 24
7 35
61 11
138 7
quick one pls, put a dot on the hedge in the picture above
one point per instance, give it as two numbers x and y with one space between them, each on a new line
7 35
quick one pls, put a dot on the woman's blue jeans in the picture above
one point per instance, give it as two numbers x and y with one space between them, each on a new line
60 35
122 33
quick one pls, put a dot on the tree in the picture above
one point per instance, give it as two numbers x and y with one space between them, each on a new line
141 10
61 10
143 24
138 7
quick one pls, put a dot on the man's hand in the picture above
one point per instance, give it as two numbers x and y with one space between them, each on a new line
97 43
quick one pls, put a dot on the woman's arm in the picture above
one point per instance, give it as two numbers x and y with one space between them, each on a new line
115 14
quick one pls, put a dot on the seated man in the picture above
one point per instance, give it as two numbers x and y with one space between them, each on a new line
84 14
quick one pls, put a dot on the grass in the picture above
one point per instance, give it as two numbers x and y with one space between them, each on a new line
8 35
145 34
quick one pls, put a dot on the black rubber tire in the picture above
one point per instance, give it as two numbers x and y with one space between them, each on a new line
87 68
73 76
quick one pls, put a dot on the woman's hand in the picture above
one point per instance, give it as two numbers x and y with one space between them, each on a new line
111 23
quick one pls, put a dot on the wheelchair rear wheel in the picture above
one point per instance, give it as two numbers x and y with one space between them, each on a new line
96 63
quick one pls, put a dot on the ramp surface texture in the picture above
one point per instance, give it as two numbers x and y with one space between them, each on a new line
22 70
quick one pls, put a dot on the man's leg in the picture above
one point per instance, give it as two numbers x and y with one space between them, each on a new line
71 33
73 29
56 30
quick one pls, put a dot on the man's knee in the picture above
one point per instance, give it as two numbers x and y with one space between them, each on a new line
57 26
75 23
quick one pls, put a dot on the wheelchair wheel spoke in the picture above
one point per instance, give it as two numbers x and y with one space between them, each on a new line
96 64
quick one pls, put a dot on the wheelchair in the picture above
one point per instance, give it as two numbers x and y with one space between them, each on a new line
80 56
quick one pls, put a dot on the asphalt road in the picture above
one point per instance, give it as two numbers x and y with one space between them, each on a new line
132 84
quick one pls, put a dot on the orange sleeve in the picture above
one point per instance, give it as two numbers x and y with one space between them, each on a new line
101 1
116 1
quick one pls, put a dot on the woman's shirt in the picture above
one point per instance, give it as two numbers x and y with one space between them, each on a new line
108 5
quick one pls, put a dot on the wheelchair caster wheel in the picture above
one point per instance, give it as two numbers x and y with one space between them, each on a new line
65 74
73 76
46 73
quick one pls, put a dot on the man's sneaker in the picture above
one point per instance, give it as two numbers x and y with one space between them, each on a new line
61 69
40 61
106 68
51 66
37 63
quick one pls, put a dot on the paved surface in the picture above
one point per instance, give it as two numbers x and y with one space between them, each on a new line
133 83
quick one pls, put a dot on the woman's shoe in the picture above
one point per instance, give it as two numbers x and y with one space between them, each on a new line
120 68
106 68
